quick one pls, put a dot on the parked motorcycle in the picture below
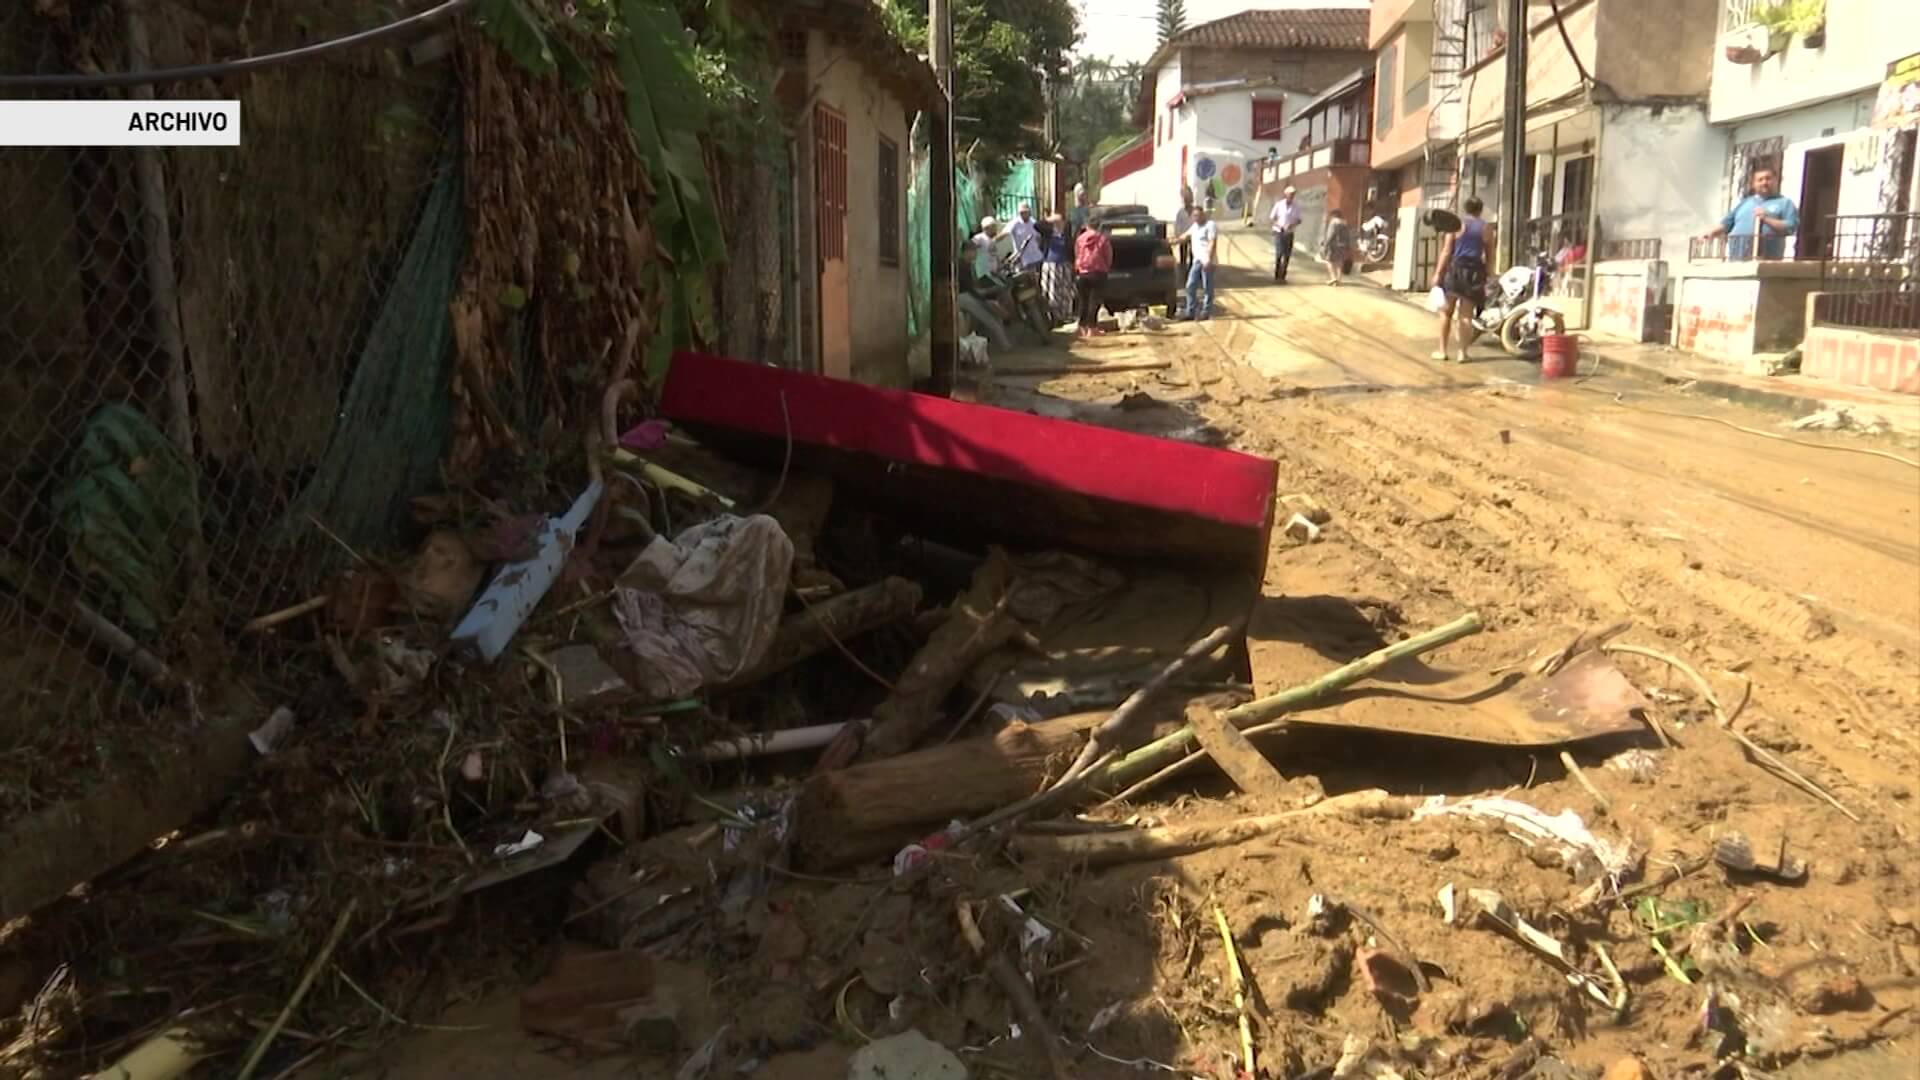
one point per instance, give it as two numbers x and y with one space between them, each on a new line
1376 240
1517 309
1029 300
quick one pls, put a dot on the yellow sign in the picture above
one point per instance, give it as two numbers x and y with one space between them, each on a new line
1899 102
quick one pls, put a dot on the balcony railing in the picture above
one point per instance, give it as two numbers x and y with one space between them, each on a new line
1343 151
1646 249
1870 272
1879 309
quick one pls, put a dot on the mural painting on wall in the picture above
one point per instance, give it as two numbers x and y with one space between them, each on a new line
1224 179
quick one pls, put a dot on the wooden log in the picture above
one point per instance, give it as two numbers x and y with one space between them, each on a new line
979 623
1135 845
869 810
813 631
47 853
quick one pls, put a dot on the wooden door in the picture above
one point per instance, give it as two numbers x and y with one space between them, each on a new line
1819 201
830 246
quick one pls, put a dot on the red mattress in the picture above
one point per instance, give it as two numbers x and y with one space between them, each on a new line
1004 476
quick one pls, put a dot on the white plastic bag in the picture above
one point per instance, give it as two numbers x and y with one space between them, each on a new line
1437 300
973 352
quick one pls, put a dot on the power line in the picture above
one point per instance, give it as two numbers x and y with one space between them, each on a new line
240 66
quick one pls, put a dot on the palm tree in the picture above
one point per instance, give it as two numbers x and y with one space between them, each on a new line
1173 18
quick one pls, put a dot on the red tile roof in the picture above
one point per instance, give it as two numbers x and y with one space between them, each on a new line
1307 28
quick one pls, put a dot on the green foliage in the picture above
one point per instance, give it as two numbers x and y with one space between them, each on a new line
1093 107
1799 17
1005 52
1172 17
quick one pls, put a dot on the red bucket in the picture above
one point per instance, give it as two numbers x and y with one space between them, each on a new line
1559 355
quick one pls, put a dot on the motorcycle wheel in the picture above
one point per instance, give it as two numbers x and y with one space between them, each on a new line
1520 332
1036 315
1377 250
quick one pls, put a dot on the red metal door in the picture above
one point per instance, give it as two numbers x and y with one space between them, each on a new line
830 246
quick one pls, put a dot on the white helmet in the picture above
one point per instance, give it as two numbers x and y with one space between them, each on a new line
988 222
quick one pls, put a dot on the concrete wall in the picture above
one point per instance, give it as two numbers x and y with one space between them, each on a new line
1628 295
1655 48
1883 361
877 292
1301 69
1655 175
1863 37
1404 135
1551 73
1734 310
1386 17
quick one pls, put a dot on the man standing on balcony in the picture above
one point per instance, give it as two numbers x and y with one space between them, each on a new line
1760 224
1285 217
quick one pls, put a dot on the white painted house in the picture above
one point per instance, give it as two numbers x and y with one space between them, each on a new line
1220 97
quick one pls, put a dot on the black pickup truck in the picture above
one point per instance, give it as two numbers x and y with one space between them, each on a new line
1145 272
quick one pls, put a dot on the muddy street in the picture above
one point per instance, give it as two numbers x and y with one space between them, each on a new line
1787 576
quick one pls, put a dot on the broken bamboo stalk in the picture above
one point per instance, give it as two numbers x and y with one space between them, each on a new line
1168 841
1171 748
1239 981
812 631
275 618
1111 733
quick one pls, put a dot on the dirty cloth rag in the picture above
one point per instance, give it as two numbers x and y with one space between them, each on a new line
703 607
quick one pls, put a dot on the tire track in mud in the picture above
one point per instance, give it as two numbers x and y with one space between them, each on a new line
1516 540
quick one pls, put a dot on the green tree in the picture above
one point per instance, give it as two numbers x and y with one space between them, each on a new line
1173 18
1093 108
1005 52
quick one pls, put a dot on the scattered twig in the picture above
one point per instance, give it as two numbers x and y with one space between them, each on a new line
265 1041
1132 845
1574 770
1698 680
390 1014
1239 990
1110 732
1767 757
1673 873
1018 991
273 619
344 546
1746 695
1621 995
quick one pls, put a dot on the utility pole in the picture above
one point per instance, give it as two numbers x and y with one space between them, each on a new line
1513 139
945 340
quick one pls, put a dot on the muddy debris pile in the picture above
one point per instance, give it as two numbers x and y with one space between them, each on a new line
720 764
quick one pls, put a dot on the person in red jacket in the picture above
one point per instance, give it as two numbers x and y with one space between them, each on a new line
1092 258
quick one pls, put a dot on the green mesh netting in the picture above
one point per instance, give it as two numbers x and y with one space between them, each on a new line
966 219
394 423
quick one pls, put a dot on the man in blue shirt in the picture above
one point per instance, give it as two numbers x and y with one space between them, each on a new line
1762 222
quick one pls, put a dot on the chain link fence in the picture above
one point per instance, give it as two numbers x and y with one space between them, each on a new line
218 369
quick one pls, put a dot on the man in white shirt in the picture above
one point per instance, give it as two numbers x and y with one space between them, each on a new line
1204 236
1285 218
983 242
1026 239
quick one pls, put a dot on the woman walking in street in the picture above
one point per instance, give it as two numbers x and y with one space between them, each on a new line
1336 247
1092 257
1056 274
